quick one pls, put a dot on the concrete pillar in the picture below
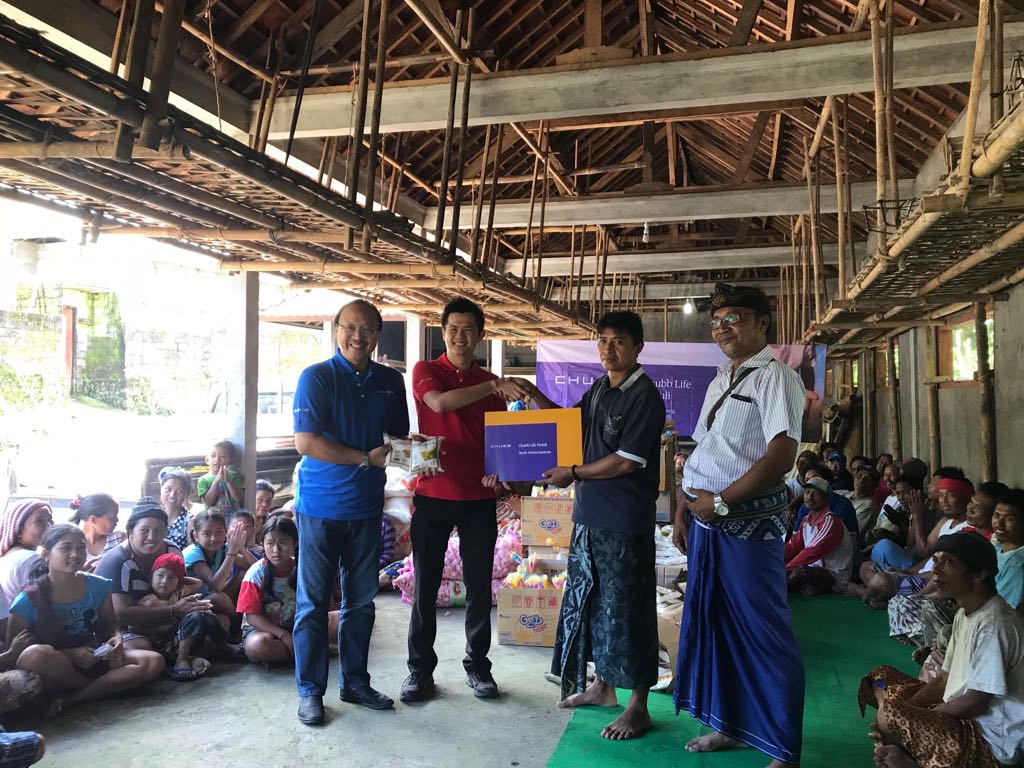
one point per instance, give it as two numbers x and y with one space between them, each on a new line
414 342
243 385
329 339
498 357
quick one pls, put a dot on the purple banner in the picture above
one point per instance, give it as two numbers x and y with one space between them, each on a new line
516 452
682 373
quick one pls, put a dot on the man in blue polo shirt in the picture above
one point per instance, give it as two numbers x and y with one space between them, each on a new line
343 409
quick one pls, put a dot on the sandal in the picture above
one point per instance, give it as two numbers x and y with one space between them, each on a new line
183 674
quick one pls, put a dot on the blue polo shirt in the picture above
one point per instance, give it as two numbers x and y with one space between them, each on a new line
354 409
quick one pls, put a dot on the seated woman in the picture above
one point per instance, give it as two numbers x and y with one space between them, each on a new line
130 566
175 488
21 532
264 502
96 514
819 556
971 715
78 650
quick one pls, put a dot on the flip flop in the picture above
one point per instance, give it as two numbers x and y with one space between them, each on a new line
183 674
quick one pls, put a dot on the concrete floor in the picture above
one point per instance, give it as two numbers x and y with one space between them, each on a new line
244 715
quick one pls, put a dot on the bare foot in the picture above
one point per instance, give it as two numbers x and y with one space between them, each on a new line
889 756
712 742
598 694
854 590
200 665
630 724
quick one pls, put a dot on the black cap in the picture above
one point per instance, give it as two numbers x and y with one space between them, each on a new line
147 506
971 548
726 295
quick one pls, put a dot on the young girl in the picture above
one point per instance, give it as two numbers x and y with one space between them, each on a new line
78 651
170 584
252 551
264 501
96 515
267 596
21 531
213 559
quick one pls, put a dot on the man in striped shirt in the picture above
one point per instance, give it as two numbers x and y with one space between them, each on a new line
733 530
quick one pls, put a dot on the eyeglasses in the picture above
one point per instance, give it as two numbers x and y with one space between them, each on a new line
725 321
362 330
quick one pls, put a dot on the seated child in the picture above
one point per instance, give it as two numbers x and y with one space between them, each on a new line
267 596
212 558
222 487
251 552
169 584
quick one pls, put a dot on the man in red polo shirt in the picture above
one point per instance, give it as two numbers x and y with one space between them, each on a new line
452 394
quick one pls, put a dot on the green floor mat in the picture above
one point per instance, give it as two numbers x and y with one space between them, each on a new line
841 641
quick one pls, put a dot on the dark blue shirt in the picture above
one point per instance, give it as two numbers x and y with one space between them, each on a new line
356 410
840 506
627 420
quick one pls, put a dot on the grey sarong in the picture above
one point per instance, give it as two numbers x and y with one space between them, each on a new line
609 613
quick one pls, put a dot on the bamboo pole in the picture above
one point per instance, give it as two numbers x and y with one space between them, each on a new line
996 106
478 209
495 174
794 314
932 393
803 282
895 426
974 99
460 163
529 219
85 150
572 266
117 49
172 13
840 203
890 115
988 401
877 72
781 310
336 267
449 132
378 98
579 278
362 73
538 261
664 321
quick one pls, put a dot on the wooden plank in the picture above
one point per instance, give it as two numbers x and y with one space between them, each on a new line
246 20
745 23
794 15
753 142
592 23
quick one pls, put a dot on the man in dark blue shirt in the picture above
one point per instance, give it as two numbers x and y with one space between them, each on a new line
608 605
344 407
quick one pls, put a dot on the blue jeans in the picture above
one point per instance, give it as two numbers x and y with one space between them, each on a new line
325 546
888 554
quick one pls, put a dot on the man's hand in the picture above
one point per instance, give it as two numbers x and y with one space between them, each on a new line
704 507
493 481
560 477
511 389
379 455
679 527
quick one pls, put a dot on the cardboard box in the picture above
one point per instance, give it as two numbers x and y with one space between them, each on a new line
668 575
668 632
528 616
549 559
547 522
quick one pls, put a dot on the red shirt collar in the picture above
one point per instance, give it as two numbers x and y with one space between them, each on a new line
443 360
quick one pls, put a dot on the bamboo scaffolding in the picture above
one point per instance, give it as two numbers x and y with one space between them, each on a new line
974 99
840 172
895 425
890 117
988 400
878 73
334 267
85 150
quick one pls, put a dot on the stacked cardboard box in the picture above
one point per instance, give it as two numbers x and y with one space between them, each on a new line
547 521
528 616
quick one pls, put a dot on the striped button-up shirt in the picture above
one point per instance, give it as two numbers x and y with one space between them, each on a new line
767 403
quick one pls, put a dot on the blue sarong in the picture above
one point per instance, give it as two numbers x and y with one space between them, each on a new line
740 670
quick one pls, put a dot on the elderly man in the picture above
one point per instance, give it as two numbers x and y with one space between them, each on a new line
740 670
608 609
344 407
971 715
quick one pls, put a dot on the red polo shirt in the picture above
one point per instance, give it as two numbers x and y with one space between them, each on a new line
462 457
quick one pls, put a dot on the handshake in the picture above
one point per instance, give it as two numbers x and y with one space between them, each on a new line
514 388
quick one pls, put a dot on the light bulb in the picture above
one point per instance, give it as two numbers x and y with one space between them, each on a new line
688 308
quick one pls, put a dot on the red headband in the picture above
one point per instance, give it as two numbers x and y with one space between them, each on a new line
959 487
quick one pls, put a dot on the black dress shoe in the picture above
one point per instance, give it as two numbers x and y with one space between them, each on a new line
367 697
311 710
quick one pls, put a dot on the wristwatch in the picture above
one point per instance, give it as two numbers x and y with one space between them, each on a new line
721 508
365 463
